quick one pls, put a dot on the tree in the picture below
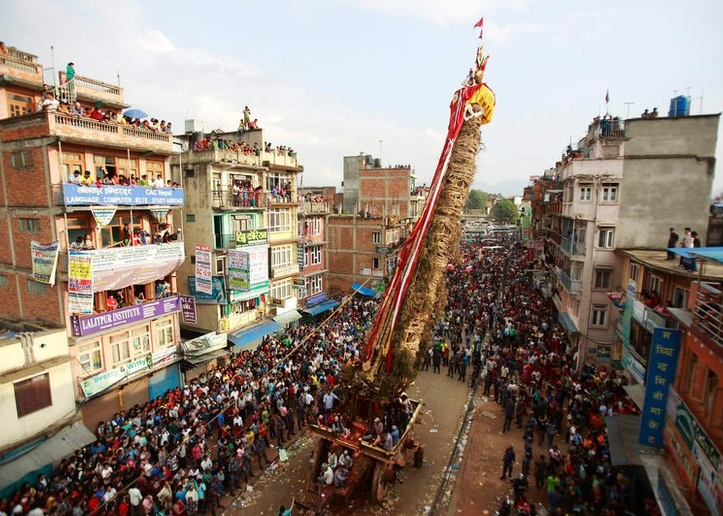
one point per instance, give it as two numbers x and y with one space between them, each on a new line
476 200
505 211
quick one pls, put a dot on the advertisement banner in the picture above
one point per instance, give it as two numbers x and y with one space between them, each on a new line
205 344
115 195
102 381
203 270
45 261
114 268
665 347
258 268
80 282
103 216
238 270
188 309
217 295
251 237
81 326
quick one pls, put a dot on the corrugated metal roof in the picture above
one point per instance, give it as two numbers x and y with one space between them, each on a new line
60 445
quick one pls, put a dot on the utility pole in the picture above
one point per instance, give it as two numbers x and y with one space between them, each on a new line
380 153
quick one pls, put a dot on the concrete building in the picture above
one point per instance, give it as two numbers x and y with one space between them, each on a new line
249 226
316 206
37 401
380 206
693 436
622 188
117 300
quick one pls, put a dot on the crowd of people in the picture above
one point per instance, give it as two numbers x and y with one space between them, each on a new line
215 142
498 322
103 177
181 453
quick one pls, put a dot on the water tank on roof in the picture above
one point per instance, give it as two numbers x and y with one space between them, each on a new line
196 137
193 126
377 163
679 106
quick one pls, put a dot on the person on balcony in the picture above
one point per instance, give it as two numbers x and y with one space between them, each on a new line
111 303
87 180
88 244
77 110
158 183
75 177
77 245
96 114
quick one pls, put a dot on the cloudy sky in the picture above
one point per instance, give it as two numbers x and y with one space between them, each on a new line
331 78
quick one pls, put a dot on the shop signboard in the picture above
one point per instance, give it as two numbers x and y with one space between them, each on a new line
116 195
90 324
665 347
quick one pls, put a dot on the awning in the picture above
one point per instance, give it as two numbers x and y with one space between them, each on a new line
567 323
364 291
322 307
207 357
287 317
59 446
636 393
623 431
708 253
254 333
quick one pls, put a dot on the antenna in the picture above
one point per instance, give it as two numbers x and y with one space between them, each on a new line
380 153
117 73
628 104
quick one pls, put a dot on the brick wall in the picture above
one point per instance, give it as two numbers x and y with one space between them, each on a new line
9 295
5 254
25 184
21 239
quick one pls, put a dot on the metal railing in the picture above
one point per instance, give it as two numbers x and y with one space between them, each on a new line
225 241
611 129
709 311
574 287
570 247
224 198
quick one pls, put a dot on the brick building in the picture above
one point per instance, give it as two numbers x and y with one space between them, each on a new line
116 300
380 206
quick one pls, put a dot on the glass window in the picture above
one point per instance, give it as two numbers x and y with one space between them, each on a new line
28 225
314 285
21 159
153 168
313 255
599 315
90 358
120 349
281 289
634 271
33 394
281 256
585 192
37 288
610 192
603 278
4 281
72 162
140 341
279 220
164 331
606 238
19 105
377 237
375 263
680 297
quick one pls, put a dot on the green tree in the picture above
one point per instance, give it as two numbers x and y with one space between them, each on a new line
505 211
476 200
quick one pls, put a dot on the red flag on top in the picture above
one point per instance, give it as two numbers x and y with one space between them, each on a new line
607 96
479 24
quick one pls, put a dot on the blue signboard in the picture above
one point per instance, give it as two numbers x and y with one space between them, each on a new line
661 373
115 195
217 295
316 299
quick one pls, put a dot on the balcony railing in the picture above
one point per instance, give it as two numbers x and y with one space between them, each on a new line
225 199
611 129
85 129
554 236
574 287
227 157
709 311
570 247
22 68
287 199
287 270
274 158
315 207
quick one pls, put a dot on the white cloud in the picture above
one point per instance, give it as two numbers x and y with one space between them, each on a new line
155 41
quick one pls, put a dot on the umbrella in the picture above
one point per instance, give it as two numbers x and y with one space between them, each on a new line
135 113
